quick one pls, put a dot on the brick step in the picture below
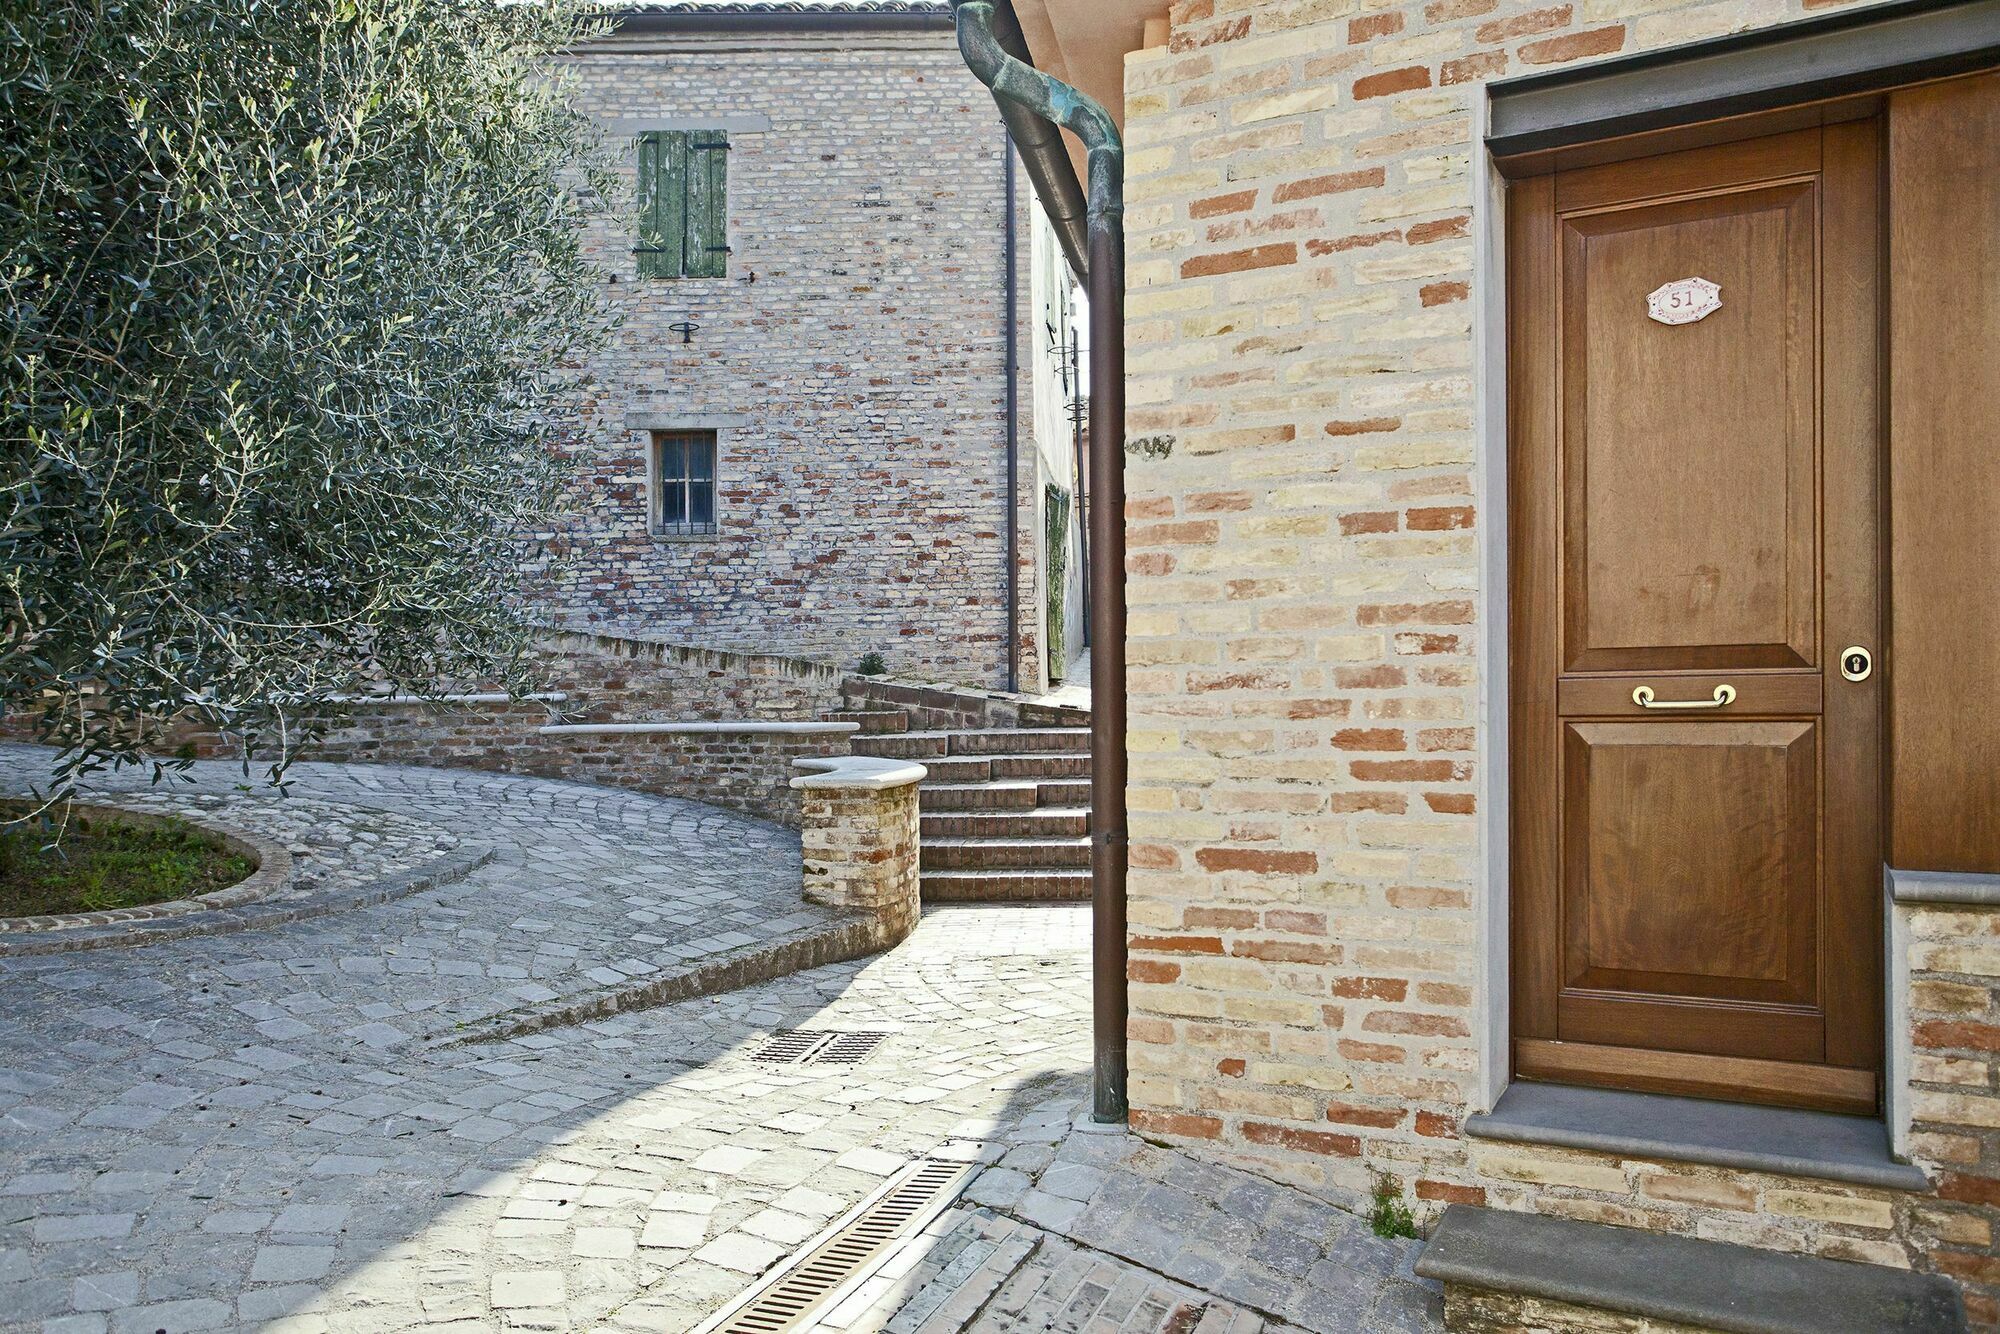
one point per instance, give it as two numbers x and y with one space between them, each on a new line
976 796
905 745
1054 715
874 722
943 794
1036 822
1019 740
1005 886
979 768
993 854
1040 766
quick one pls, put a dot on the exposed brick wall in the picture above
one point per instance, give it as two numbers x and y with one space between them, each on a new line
860 851
610 679
1303 579
1953 1033
858 338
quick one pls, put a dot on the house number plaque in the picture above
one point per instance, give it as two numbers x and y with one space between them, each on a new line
1684 301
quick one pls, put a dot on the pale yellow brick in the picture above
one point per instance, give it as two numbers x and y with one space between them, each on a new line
1830 1207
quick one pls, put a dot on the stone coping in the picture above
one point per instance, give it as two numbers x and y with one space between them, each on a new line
1786 1141
273 862
1707 1284
745 728
857 773
1966 888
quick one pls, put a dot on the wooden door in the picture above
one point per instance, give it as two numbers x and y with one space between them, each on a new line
1694 520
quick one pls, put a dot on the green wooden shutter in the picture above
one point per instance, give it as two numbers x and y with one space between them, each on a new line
707 204
663 173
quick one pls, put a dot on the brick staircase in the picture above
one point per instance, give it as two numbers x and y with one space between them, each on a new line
1006 804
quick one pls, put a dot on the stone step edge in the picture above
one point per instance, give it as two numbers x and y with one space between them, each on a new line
1708 1284
853 935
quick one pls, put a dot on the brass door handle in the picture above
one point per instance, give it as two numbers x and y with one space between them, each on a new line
1643 697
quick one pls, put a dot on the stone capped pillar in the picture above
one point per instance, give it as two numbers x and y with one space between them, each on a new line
858 834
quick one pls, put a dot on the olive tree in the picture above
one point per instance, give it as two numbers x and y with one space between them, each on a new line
289 287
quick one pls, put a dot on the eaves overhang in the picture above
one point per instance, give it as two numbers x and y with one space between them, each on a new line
1854 52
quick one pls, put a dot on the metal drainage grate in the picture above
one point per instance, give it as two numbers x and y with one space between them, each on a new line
846 1253
803 1046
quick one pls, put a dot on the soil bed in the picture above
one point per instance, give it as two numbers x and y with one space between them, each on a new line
95 864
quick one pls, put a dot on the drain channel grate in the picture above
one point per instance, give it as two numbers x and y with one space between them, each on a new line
804 1046
846 1253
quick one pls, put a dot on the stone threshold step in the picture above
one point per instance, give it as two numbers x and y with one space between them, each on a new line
1705 1285
1819 1145
1016 852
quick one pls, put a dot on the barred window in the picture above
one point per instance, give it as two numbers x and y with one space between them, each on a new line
683 482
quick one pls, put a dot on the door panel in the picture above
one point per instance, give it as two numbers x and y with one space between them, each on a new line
1693 540
1691 860
1690 452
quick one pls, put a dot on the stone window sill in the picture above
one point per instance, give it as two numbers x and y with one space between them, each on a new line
1781 1140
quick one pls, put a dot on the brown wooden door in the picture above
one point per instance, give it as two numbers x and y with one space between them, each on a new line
1693 507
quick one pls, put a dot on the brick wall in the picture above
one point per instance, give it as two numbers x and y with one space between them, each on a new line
1303 576
617 680
856 348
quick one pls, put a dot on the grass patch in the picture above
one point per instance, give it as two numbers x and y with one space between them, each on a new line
1390 1217
91 865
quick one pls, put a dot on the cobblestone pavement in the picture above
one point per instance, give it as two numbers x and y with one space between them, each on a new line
255 1131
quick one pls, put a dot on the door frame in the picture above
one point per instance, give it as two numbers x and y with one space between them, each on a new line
1493 982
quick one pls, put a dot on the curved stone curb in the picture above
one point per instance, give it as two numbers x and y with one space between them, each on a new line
853 936
273 873
442 870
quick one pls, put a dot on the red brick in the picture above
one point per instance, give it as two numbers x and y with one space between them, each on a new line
1449 1193
1150 507
1337 183
1364 426
1221 919
1453 612
1956 1035
1371 988
1152 970
1441 229
1232 1067
1374 1053
1237 202
1252 859
1237 261
1405 771
1574 46
1149 562
1331 246
1377 1118
1182 1125
1451 803
1219 502
1966 1188
1371 26
1369 738
1305 1141
1967 1265
1392 81
1177 944
1443 294
1373 521
1436 1125
1153 857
